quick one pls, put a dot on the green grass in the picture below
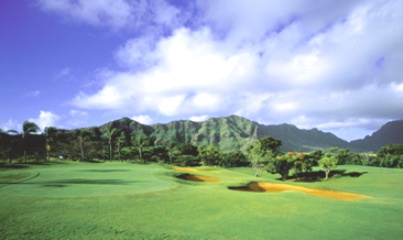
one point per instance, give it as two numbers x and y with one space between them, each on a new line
130 201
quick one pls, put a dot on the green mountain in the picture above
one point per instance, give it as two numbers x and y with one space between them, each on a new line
390 133
232 133
295 139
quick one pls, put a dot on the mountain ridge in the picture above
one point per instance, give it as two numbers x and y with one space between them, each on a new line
234 132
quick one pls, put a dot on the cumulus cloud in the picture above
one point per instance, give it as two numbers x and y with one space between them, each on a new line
46 119
311 64
11 124
199 118
143 119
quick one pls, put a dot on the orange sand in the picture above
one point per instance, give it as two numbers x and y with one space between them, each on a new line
182 169
274 187
199 178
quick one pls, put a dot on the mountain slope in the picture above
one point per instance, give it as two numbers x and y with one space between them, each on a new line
390 133
295 139
235 133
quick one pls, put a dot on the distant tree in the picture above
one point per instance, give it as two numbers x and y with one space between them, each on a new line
390 149
281 164
10 144
27 129
121 141
187 155
210 155
301 163
270 143
140 141
328 163
172 150
188 149
109 134
83 135
342 154
259 157
50 134
233 159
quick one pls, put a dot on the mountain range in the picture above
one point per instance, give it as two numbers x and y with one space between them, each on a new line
234 133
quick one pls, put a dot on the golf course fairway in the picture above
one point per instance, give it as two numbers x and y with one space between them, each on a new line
69 200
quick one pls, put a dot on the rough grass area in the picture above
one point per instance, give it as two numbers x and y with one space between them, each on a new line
130 201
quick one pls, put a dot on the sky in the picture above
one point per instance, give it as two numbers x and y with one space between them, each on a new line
332 65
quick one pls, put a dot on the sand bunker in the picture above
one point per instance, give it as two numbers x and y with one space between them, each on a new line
274 187
195 178
182 169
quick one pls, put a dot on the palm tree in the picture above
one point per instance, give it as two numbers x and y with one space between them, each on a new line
9 142
140 142
28 128
172 148
83 135
121 140
49 134
109 133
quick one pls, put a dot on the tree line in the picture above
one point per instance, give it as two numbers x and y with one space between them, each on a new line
113 143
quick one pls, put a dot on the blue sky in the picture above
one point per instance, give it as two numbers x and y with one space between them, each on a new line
333 65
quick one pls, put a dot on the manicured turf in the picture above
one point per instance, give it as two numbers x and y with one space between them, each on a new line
130 201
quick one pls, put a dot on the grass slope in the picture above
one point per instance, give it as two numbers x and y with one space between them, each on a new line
172 208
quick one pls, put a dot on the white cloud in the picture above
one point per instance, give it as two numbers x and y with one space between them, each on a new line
114 13
78 113
200 118
143 119
11 125
190 76
311 64
46 119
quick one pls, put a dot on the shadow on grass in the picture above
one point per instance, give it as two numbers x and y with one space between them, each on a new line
320 175
106 170
247 188
94 161
12 166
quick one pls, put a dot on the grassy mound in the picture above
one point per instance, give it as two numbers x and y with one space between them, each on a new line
83 180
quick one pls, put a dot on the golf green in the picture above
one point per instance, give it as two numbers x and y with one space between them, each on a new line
83 180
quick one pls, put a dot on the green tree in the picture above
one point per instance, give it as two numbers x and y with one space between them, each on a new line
121 141
109 134
281 164
328 163
210 155
172 150
83 135
50 134
10 143
140 141
27 129
302 163
343 155
233 159
258 157
270 143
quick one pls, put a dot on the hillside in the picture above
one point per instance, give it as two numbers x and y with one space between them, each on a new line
390 133
234 133
231 133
